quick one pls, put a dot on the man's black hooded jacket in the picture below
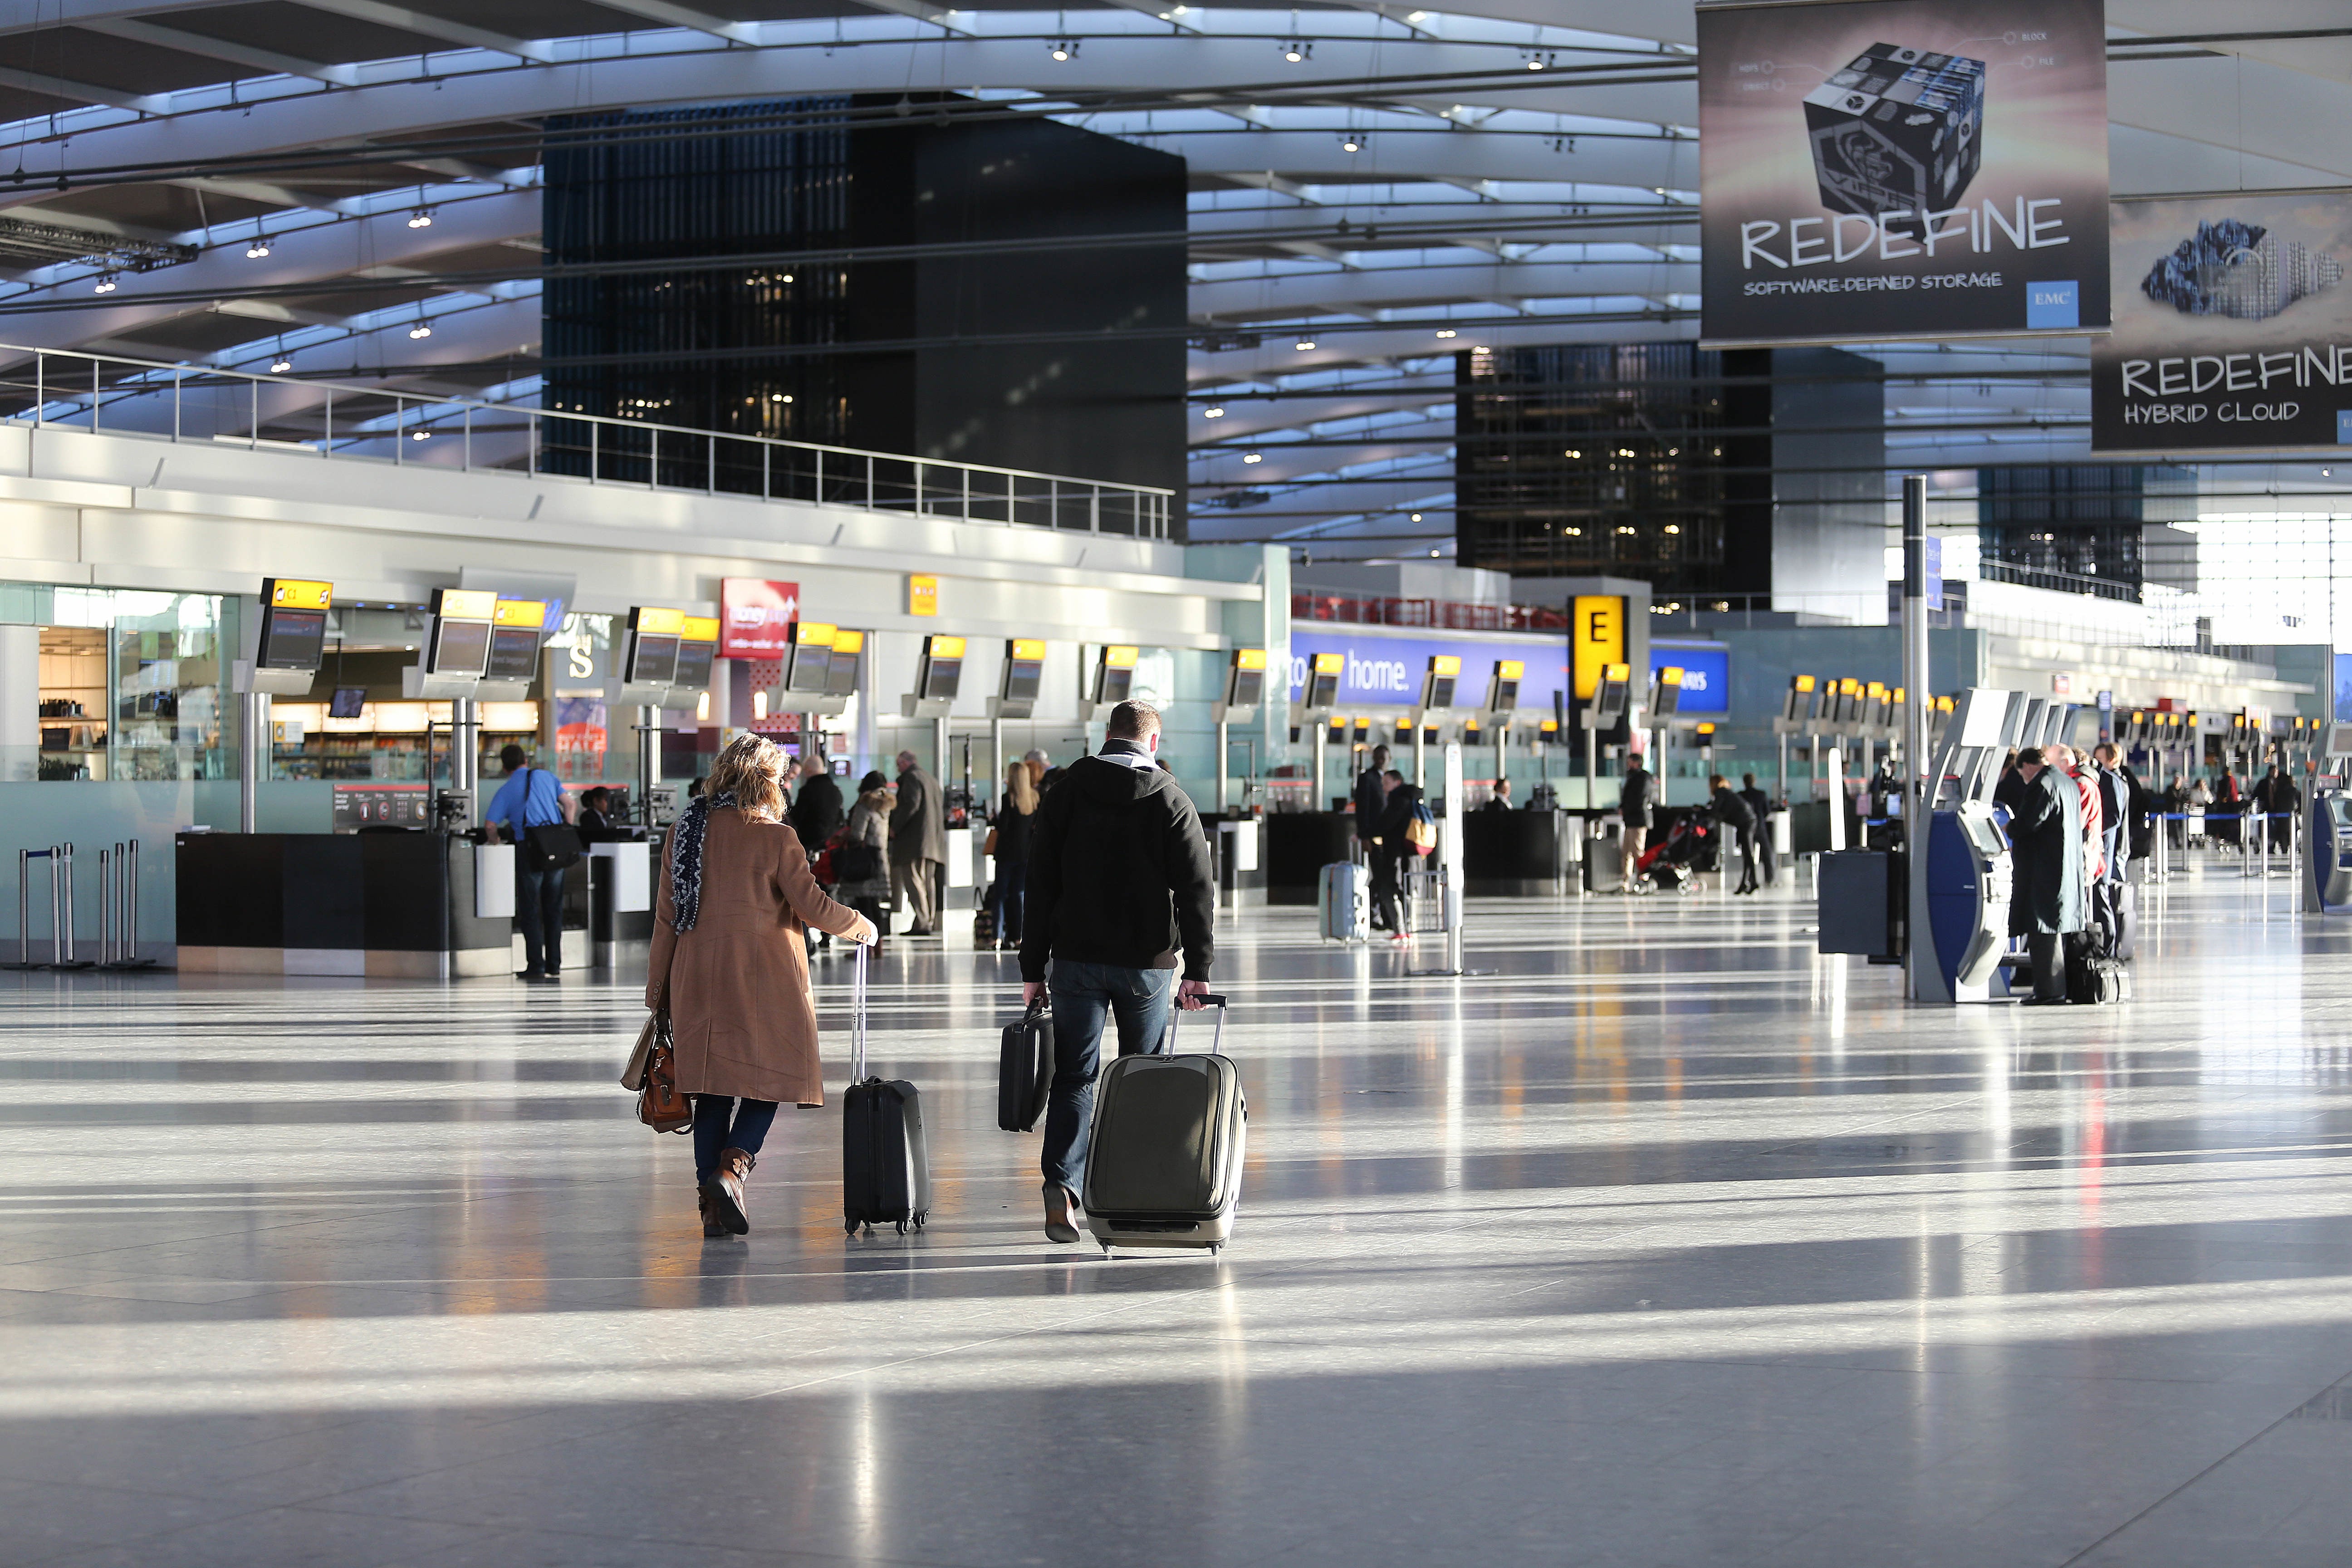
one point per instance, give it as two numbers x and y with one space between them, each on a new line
1118 873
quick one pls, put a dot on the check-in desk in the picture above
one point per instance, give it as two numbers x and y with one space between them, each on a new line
1517 854
395 905
1297 846
621 875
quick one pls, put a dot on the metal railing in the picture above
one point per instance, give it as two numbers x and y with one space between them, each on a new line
1374 610
109 395
1996 570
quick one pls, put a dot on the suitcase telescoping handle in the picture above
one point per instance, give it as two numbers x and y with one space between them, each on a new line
1207 999
857 1018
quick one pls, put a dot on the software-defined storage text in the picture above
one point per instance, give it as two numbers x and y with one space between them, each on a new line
1806 247
1872 284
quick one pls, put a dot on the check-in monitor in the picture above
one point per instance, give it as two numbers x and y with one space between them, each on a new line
1437 683
940 675
1666 691
1245 678
1025 670
514 653
1323 679
808 660
1114 674
842 668
1503 690
697 648
346 701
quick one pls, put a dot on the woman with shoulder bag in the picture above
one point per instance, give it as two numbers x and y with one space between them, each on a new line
730 964
1008 841
861 854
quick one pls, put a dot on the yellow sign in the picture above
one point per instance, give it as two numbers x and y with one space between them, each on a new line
1805 683
1898 694
652 622
1596 637
1339 720
1876 689
1121 657
1254 659
1670 674
1511 669
1551 726
465 603
922 595
700 628
816 634
1029 650
848 641
1330 664
1706 731
1444 664
289 594
943 647
1850 686
1616 672
531 613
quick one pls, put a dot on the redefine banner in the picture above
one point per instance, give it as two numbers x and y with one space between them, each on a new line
1874 169
2233 326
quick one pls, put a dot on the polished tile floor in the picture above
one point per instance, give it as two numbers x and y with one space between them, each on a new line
1663 1242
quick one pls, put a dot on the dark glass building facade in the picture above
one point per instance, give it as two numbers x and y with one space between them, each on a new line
2084 520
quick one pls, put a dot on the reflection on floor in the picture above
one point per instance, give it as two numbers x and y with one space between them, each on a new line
1665 1242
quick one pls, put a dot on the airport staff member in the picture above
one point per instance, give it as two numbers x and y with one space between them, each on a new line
2045 835
533 797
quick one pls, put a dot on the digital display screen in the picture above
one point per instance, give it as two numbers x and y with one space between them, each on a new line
1323 689
514 653
1506 694
1021 678
1116 684
1441 691
812 669
459 647
652 659
346 701
1249 685
293 639
841 679
694 665
1985 835
942 678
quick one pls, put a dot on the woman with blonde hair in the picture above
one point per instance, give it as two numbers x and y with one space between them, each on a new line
729 965
1009 839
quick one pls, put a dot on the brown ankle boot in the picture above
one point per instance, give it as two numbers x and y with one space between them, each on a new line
724 1191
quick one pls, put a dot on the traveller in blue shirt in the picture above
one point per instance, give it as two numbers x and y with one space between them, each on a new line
533 797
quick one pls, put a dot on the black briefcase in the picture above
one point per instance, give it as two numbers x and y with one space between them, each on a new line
1024 1068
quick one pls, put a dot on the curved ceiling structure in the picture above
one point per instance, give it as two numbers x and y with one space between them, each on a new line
335 186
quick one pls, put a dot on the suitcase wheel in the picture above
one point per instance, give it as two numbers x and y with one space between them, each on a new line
850 1226
902 1227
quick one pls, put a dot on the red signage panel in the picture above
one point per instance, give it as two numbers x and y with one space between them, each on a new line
756 617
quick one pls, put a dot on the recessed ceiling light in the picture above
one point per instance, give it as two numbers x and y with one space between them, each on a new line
1416 517
1253 456
1447 332
1217 413
1304 344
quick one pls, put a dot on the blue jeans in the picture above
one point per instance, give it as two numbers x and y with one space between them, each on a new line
722 1123
1083 994
1011 885
538 904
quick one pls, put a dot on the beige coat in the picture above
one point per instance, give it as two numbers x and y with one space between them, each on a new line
737 986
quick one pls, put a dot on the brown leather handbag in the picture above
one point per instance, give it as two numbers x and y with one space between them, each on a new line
653 1073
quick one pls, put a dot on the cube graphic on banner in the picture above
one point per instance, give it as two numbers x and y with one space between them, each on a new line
1898 131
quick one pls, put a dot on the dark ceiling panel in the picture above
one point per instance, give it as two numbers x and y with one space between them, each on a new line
198 333
165 209
302 32
104 61
479 259
358 301
16 105
534 18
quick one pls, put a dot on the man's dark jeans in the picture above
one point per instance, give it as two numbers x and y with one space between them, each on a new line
1084 993
539 903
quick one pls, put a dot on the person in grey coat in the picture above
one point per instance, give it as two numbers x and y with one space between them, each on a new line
2045 899
918 846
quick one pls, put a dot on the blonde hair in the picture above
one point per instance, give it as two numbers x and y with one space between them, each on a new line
1021 788
752 769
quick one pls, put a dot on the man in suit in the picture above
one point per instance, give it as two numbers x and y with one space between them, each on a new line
918 846
1371 796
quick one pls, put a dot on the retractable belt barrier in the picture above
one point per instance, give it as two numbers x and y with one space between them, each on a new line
117 908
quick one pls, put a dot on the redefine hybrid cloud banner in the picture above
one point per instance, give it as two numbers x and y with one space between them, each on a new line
2233 326
1902 169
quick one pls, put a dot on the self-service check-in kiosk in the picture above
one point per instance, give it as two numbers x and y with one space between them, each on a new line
1312 715
450 664
2327 878
1437 705
284 645
664 660
1968 861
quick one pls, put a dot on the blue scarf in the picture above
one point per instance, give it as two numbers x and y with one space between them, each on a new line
685 859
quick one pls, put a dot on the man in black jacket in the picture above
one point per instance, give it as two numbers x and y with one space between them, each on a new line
1372 803
1120 891
817 813
1761 805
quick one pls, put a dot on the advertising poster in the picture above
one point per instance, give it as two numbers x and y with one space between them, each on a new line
2233 325
1877 169
756 617
1385 670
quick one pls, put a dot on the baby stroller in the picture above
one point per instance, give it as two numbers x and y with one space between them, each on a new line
1674 863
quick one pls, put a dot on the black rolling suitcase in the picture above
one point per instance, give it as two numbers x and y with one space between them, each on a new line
1164 1158
1024 1068
886 1172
